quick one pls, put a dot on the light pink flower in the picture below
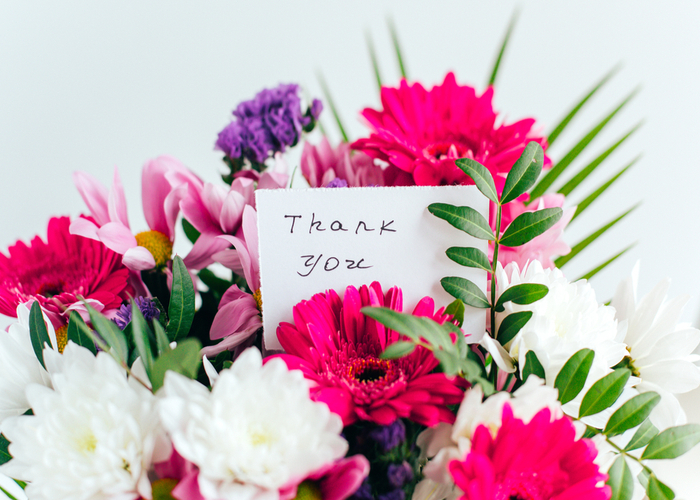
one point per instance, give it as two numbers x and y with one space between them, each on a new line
184 472
323 163
336 481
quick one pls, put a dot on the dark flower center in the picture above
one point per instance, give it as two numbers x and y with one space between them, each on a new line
369 369
50 289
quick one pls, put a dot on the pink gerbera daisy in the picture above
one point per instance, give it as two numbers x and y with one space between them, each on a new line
337 348
420 133
538 460
61 272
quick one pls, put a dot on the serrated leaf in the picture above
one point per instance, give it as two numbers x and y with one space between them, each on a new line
577 179
529 225
605 264
456 310
466 291
398 350
397 48
656 490
181 307
373 58
672 442
331 105
481 177
604 392
585 203
631 413
572 376
620 480
38 333
190 231
140 332
162 341
574 111
642 436
532 366
184 359
463 218
581 245
4 450
511 325
110 332
469 257
524 172
77 335
559 168
524 293
504 44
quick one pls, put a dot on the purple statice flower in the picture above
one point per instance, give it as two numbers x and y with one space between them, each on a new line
337 183
397 494
146 306
269 123
390 436
399 474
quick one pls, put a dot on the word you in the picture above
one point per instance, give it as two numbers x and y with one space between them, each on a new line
330 264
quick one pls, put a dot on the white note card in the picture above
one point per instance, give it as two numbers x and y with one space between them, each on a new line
313 240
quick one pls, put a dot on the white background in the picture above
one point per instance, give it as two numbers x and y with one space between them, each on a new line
89 85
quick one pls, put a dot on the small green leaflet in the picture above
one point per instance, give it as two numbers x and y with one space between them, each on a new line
532 366
672 442
465 290
4 453
481 177
604 392
511 325
76 333
140 332
469 257
456 310
184 359
190 231
524 172
181 308
524 293
656 490
529 225
631 413
110 332
38 333
572 376
398 350
642 436
463 218
620 480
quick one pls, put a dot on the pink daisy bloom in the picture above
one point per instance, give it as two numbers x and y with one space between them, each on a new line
419 133
60 272
323 163
337 349
538 460
336 481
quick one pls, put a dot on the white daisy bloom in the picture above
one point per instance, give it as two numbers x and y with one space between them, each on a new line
256 432
660 349
93 436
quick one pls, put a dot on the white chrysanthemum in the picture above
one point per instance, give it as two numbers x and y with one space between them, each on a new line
93 436
445 443
565 321
660 349
257 430
19 366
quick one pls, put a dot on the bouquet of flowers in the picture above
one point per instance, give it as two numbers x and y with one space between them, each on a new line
132 373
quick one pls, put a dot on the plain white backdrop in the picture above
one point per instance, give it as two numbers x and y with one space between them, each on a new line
90 85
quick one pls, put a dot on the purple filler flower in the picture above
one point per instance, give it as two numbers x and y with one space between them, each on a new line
146 306
399 474
337 183
390 436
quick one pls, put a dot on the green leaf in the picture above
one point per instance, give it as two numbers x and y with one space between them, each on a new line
481 177
397 48
581 245
620 480
184 359
110 332
331 105
398 350
38 333
559 168
605 264
466 291
190 231
511 325
529 225
181 307
642 436
413 327
7 494
631 413
212 281
448 362
583 204
572 376
77 335
656 490
672 442
532 366
373 58
456 309
574 182
4 452
604 392
504 44
463 218
524 293
574 111
140 332
469 257
524 172
162 341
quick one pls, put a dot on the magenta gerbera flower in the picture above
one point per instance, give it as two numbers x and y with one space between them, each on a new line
60 272
420 133
538 460
337 348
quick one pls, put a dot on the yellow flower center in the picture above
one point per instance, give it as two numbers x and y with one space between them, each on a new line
62 338
308 490
257 295
87 443
158 244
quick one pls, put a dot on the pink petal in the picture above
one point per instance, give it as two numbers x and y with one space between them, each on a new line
171 208
344 478
235 316
117 201
229 258
116 237
201 254
155 188
231 211
94 194
85 228
138 259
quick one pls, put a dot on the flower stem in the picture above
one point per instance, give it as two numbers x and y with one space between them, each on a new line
494 369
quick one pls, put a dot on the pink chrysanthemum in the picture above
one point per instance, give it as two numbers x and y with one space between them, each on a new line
337 348
420 133
60 272
535 461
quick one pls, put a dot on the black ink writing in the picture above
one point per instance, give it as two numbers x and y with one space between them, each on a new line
362 223
336 225
330 264
356 265
385 227
316 223
309 259
294 219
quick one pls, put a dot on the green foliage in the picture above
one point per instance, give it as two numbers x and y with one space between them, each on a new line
110 332
181 308
524 293
532 366
141 335
524 173
190 231
456 309
481 177
631 413
529 225
466 291
331 105
4 452
506 38
76 333
604 392
642 436
469 257
605 264
672 442
585 203
373 58
162 341
656 490
572 376
463 218
184 359
397 48
511 325
620 480
38 333
398 350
